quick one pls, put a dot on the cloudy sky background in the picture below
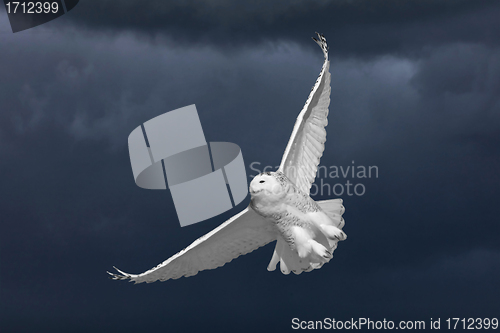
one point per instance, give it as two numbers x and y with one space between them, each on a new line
415 92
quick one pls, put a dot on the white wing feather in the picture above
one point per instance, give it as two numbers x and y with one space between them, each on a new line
307 142
241 234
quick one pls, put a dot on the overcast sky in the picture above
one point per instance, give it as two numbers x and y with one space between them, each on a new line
415 92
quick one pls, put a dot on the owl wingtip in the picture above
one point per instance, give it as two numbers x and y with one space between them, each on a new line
321 41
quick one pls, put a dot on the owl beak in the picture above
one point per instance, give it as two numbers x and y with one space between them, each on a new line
253 190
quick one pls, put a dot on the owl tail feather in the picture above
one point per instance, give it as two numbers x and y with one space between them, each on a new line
330 235
289 260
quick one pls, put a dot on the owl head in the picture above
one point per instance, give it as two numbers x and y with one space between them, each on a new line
269 185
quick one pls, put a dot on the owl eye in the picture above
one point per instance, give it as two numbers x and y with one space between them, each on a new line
262 181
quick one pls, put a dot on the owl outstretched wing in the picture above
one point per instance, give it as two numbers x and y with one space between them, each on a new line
241 234
307 142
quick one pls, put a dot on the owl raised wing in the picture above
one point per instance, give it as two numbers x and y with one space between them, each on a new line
307 142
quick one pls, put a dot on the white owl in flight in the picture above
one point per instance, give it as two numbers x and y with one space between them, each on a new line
307 231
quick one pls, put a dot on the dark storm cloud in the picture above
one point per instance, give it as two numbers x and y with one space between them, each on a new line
419 98
432 128
67 108
357 27
101 88
379 109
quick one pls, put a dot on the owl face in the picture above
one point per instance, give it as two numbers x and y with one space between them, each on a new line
266 184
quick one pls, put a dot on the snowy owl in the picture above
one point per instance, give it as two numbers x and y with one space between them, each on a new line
307 231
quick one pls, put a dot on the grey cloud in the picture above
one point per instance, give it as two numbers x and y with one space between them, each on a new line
101 88
385 110
414 92
357 27
448 283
